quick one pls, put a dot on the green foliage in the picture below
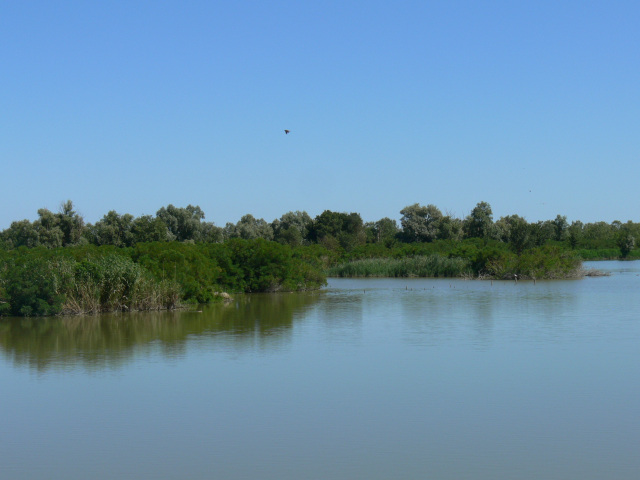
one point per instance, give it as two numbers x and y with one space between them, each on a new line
479 224
50 230
450 228
262 266
149 229
22 234
183 223
31 287
238 265
249 228
115 282
598 253
384 231
536 263
420 224
337 230
420 266
292 228
515 231
124 263
342 233
626 242
481 254
561 227
190 266
317 256
113 229
574 236
40 282
89 279
71 224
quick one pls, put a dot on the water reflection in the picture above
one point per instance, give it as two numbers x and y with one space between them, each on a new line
420 312
366 379
440 312
109 341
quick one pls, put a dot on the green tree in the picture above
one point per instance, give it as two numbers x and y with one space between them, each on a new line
543 231
521 235
626 242
575 233
479 224
71 224
335 229
113 229
211 233
22 233
183 223
48 227
599 235
516 232
383 231
250 227
450 228
420 224
292 228
150 229
32 286
561 227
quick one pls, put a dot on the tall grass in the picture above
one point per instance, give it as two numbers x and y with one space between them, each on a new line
62 285
114 283
418 266
599 254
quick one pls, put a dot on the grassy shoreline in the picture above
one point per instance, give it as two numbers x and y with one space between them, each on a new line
155 276
531 265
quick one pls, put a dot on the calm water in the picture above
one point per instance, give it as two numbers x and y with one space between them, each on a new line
367 379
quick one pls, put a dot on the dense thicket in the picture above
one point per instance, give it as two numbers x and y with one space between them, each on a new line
90 279
45 282
58 263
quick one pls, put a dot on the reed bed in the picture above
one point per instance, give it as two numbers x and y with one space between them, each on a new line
115 283
418 266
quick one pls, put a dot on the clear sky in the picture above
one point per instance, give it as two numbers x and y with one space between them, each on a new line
532 106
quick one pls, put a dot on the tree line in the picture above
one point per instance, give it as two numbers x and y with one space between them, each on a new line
337 231
58 264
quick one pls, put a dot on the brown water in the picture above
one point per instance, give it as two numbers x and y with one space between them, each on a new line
371 379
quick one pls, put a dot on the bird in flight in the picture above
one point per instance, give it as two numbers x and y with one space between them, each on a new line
286 132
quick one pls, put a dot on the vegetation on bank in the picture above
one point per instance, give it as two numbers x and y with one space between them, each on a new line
469 259
150 276
59 264
421 266
42 284
339 232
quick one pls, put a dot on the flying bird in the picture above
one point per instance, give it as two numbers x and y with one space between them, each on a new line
286 132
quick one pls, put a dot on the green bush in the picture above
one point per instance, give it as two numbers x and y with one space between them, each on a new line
39 282
32 287
88 279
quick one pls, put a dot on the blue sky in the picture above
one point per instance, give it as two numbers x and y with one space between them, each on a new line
131 105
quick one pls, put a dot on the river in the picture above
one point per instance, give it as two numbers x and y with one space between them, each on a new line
365 379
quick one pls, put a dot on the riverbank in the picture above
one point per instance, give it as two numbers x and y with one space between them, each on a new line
151 276
167 275
541 263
